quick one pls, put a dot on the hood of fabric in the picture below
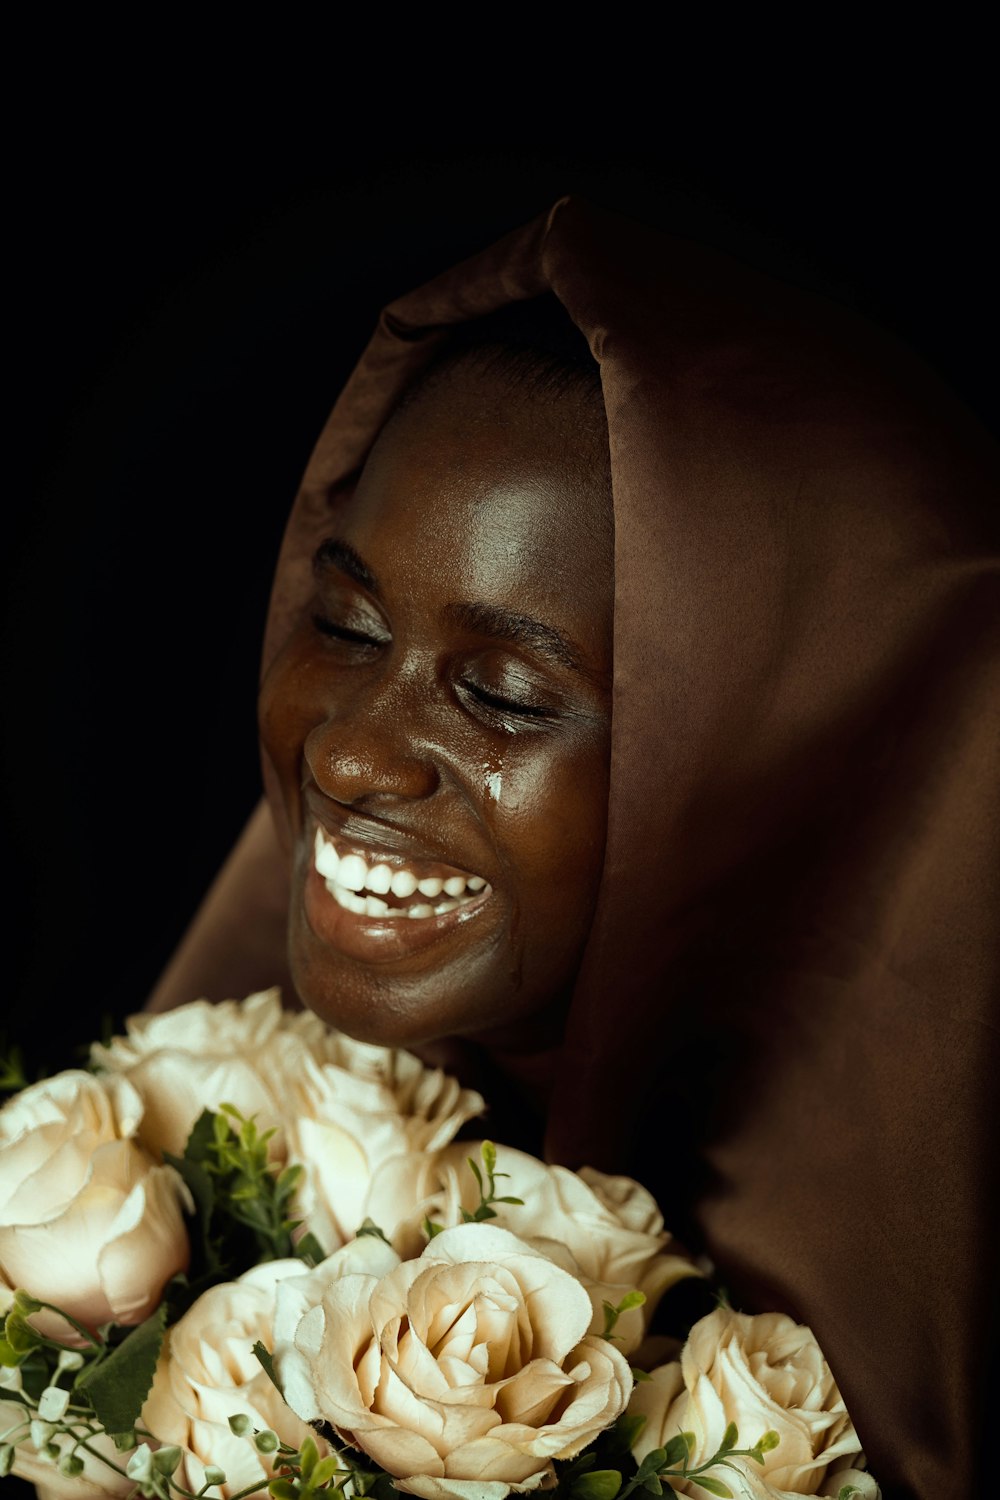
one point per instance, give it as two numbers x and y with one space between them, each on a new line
788 1027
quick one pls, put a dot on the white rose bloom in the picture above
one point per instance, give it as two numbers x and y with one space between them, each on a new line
87 1219
346 1121
765 1373
339 1107
208 1372
464 1372
97 1480
606 1231
245 1053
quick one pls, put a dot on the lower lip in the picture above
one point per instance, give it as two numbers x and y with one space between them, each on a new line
375 939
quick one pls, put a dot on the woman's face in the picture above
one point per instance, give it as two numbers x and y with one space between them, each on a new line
439 721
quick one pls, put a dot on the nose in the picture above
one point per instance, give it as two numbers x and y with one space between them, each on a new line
366 755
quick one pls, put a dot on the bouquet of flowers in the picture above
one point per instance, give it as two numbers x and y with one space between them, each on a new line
245 1254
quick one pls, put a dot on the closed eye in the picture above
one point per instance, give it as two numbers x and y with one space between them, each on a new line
345 633
505 705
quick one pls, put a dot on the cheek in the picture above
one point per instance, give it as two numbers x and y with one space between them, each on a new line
288 706
550 819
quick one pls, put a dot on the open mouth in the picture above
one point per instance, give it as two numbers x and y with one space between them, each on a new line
391 889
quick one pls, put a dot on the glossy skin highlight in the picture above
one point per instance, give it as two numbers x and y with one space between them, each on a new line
446 697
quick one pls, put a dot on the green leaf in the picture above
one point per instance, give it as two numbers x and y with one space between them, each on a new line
652 1484
714 1486
288 1181
10 1356
324 1471
117 1387
431 1229
489 1154
476 1174
19 1334
639 1375
676 1451
282 1489
310 1250
768 1442
264 1358
599 1484
370 1227
308 1458
630 1300
627 1429
509 1199
730 1438
654 1461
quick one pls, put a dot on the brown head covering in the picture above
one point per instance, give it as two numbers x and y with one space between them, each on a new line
785 1020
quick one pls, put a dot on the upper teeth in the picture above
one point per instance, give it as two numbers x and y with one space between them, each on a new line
348 875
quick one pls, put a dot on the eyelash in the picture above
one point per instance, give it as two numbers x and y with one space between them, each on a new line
504 705
482 696
341 633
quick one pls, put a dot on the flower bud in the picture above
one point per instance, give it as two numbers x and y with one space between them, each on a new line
266 1441
70 1465
52 1403
140 1465
6 1459
165 1460
214 1475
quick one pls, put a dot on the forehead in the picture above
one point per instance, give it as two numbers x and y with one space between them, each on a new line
491 485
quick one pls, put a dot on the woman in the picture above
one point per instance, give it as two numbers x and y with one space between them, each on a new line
726 875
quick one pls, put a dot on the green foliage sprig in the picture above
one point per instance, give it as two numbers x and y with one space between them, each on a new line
486 1181
242 1200
672 1462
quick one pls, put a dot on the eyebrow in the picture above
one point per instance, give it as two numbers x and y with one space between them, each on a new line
521 630
490 620
342 555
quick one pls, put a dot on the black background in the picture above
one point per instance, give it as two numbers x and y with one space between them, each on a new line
179 333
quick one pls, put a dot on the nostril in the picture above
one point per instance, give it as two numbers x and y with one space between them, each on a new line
385 767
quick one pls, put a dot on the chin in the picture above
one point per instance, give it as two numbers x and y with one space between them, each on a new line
390 1007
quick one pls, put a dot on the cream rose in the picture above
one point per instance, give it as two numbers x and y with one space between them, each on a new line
464 1372
208 1372
246 1053
345 1120
606 1231
765 1373
338 1107
87 1219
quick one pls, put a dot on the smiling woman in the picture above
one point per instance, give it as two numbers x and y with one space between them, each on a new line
692 839
439 720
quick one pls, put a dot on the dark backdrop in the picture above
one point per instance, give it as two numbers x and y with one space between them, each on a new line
179 334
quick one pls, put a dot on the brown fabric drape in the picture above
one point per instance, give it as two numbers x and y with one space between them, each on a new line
786 1018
